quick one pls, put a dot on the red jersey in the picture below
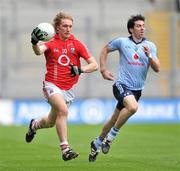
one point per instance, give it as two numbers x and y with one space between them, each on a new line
59 55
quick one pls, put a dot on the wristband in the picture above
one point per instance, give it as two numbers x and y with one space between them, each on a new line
81 71
150 56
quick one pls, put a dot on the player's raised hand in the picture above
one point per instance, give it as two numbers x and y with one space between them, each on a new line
36 35
147 51
107 75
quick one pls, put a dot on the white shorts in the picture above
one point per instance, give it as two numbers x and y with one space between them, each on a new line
49 89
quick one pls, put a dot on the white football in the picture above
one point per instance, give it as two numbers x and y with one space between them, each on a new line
47 31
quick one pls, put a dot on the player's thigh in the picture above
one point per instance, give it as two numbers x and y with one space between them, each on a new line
130 103
57 103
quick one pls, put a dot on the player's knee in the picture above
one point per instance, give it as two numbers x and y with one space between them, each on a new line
133 109
63 111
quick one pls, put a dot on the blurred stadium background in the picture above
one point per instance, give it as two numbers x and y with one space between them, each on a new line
95 23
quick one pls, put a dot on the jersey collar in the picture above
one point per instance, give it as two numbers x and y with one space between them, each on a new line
131 38
71 37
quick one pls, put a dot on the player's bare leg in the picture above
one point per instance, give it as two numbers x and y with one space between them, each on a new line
130 108
96 144
109 124
61 110
45 122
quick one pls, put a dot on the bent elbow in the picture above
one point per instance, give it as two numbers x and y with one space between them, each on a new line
157 69
96 67
37 53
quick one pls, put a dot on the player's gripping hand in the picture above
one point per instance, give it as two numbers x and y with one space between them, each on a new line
75 70
36 35
107 75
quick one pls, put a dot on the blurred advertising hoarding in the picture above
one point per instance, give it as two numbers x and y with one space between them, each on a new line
90 111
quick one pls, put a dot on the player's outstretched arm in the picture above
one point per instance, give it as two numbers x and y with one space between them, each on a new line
91 66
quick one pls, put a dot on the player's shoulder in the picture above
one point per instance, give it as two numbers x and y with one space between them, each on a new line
77 41
74 39
150 43
118 39
52 41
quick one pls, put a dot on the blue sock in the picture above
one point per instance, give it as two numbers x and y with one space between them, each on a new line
98 143
112 133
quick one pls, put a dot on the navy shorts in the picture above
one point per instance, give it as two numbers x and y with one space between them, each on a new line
120 91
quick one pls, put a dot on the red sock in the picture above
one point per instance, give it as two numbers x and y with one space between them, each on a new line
64 146
36 125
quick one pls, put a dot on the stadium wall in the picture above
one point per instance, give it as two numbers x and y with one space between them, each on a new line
90 111
95 23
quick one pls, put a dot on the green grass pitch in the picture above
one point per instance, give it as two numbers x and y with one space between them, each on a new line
138 147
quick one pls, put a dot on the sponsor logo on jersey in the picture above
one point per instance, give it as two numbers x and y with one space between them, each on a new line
64 60
136 56
138 63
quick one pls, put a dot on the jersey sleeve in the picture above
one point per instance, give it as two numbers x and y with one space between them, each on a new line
153 50
48 45
83 51
114 44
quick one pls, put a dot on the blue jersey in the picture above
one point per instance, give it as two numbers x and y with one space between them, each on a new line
133 63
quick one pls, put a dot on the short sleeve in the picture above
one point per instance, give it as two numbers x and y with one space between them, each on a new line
114 44
153 50
83 51
48 44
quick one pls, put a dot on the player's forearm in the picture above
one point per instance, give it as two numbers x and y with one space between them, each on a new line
103 58
92 66
155 64
38 49
89 68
